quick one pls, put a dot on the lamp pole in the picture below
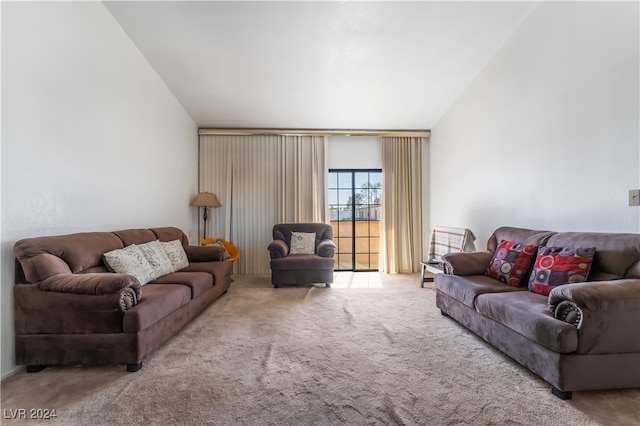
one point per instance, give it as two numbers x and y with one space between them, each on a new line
204 216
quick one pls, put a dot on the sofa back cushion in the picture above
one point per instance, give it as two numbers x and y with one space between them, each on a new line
617 255
517 235
43 257
283 231
170 233
135 236
142 236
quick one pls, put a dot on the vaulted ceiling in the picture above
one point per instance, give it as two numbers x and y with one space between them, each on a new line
318 65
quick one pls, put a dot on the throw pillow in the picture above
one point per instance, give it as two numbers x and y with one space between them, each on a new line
130 260
511 262
220 243
176 254
560 265
157 257
303 243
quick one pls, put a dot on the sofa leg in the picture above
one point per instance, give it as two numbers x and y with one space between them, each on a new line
132 368
276 286
443 313
35 368
560 394
328 285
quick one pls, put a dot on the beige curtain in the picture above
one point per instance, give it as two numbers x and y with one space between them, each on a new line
261 181
303 179
402 213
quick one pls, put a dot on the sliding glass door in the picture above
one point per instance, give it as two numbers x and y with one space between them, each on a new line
354 204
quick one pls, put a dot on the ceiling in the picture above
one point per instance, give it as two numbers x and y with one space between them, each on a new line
318 65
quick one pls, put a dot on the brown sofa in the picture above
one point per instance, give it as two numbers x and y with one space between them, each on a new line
316 267
69 309
582 336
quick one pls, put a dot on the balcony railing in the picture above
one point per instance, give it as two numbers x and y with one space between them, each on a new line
366 236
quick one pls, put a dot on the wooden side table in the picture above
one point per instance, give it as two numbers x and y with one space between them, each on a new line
433 267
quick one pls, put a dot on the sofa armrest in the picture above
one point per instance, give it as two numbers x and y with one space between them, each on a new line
612 295
92 284
204 253
52 312
278 249
606 313
466 263
121 291
326 248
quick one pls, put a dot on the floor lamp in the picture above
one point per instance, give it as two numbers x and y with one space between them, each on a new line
206 200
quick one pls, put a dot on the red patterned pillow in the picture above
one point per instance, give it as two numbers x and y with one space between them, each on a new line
557 266
511 262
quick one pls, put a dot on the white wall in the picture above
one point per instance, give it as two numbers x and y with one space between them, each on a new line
92 139
355 152
547 135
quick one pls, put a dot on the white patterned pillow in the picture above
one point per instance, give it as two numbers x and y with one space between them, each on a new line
176 254
130 260
303 243
157 257
220 243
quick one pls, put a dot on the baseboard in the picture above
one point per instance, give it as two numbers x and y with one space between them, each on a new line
15 370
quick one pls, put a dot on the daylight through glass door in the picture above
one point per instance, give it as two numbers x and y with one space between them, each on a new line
354 205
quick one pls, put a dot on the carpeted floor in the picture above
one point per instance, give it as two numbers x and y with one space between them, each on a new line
374 353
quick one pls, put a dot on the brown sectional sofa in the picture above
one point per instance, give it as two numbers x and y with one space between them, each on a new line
69 309
582 336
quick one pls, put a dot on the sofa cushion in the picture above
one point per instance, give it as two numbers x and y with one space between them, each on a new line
465 289
282 231
176 254
511 262
157 257
198 282
135 236
158 301
556 266
528 314
303 243
130 260
219 270
302 262
520 235
170 233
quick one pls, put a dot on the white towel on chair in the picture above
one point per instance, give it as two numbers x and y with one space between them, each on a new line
450 240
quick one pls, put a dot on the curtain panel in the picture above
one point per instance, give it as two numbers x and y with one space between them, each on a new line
262 180
402 200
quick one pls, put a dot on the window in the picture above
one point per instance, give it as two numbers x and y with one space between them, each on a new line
354 205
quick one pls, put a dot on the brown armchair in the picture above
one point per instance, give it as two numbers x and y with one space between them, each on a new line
314 266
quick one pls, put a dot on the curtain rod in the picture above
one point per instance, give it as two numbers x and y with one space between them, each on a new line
318 132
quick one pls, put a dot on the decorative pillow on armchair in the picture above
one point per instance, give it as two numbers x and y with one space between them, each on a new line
557 266
303 243
511 262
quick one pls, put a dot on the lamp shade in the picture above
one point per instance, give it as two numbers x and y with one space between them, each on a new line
206 199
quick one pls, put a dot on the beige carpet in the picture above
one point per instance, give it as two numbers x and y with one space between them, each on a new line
381 355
